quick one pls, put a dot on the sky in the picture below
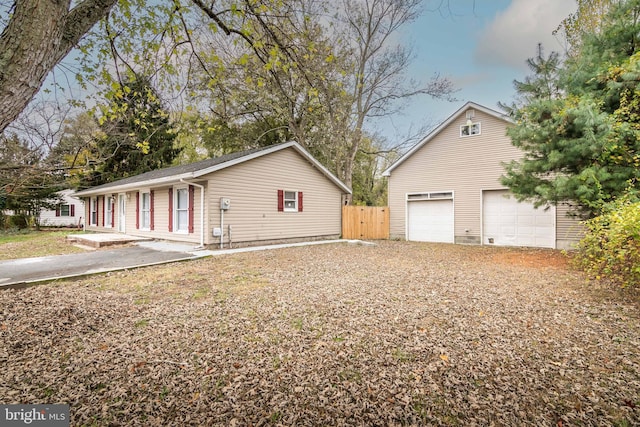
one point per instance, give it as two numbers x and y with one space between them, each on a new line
481 46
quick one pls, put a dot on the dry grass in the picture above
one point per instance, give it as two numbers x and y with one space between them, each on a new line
36 244
395 334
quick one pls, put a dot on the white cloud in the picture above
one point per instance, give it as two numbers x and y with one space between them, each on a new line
514 33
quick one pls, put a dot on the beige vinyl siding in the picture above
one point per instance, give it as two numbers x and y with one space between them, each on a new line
448 162
160 216
467 166
98 227
252 187
569 229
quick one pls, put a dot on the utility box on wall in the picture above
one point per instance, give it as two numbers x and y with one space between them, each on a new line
225 203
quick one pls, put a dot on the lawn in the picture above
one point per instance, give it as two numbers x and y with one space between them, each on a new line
35 244
393 334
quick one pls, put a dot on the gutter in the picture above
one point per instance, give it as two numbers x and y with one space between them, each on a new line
132 186
201 187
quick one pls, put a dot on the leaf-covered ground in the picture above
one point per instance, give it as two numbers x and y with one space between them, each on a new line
393 334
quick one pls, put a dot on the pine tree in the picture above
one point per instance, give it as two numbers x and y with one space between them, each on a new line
581 140
26 184
137 135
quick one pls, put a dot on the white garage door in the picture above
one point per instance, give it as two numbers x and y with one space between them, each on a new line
506 222
430 221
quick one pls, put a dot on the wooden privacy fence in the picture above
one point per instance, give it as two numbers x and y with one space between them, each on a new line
365 222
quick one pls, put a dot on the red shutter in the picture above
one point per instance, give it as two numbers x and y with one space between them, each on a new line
171 209
58 210
299 201
104 202
280 200
151 210
191 194
137 210
73 210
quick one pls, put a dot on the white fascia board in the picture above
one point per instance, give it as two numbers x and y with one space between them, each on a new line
290 144
136 185
441 127
321 168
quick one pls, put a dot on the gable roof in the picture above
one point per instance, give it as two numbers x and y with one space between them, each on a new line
444 125
195 170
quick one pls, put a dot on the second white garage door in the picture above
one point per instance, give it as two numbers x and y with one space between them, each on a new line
430 220
506 222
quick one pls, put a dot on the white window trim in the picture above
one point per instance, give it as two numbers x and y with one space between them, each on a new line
432 195
295 201
68 215
121 212
176 222
108 211
93 204
142 211
462 135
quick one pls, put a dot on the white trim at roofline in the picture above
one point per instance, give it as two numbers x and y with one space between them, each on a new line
136 185
274 149
442 126
196 174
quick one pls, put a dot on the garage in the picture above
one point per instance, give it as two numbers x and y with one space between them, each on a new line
507 222
430 217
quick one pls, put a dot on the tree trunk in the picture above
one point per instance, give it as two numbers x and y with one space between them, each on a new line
349 163
38 36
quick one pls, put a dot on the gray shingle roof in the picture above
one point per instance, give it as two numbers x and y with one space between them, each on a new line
194 170
178 170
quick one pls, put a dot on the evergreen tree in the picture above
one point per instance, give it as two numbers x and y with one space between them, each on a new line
136 136
26 184
580 128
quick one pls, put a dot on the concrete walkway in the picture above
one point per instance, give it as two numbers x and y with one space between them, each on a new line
26 271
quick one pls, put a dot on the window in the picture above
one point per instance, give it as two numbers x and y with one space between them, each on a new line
108 222
430 196
93 213
181 217
64 210
470 129
145 212
289 201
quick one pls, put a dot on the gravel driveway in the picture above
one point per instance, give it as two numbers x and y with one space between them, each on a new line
393 334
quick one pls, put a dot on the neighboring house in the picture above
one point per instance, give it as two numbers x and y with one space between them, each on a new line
447 189
273 194
69 213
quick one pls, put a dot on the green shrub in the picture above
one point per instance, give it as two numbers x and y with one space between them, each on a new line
16 222
610 249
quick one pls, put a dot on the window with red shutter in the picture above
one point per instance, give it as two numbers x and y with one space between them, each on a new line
289 201
191 205
171 209
151 211
280 200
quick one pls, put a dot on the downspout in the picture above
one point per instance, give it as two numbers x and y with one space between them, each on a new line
201 187
84 211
